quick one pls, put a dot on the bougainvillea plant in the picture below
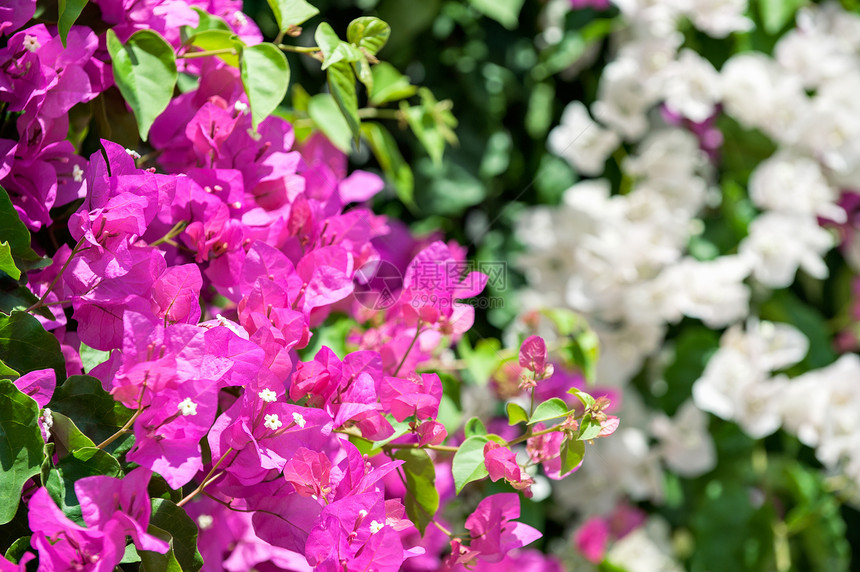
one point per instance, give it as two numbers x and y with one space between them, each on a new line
177 263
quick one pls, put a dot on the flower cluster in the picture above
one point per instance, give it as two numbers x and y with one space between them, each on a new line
189 302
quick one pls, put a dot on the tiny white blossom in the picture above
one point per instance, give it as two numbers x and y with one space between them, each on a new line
31 43
187 407
77 174
376 526
268 395
239 18
300 421
240 106
205 521
47 419
272 422
133 154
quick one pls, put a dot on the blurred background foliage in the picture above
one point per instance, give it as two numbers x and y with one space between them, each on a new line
766 506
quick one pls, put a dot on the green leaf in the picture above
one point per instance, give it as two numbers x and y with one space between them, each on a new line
173 519
369 33
588 428
516 414
82 463
17 549
20 446
550 409
156 562
422 498
67 437
68 11
341 84
7 264
25 345
13 231
328 118
21 298
144 69
95 412
207 21
266 76
584 397
396 169
208 40
505 12
468 463
6 371
432 123
389 85
481 361
776 14
572 453
474 426
334 49
289 13
91 357
130 556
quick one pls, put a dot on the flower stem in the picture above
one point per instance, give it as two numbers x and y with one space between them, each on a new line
409 349
206 53
528 436
41 301
208 479
173 232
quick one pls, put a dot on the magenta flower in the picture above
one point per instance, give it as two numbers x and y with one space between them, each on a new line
533 355
493 530
418 394
501 463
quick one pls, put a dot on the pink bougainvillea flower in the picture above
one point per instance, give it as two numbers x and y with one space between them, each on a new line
39 384
592 538
533 355
501 463
418 394
493 530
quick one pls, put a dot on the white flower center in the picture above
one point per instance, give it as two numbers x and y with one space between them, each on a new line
205 521
187 407
77 174
133 154
272 421
31 43
47 419
300 421
376 526
268 395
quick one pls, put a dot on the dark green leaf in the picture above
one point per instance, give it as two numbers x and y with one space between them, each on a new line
13 231
505 12
369 33
68 10
432 123
422 498
396 169
25 345
21 298
144 69
289 13
17 549
155 562
95 412
82 463
266 76
389 84
173 519
474 426
328 118
67 437
468 464
550 409
8 372
516 414
20 446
